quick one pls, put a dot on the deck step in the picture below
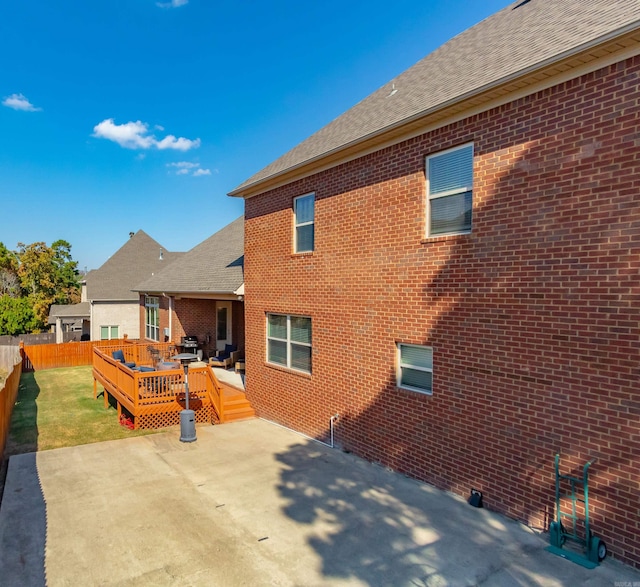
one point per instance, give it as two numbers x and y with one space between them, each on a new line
239 414
236 406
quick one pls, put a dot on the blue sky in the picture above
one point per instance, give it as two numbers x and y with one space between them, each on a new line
120 115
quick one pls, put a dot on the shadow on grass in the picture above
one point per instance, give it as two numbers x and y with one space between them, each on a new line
23 431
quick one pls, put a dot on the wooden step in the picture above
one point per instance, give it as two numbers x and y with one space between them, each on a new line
236 407
236 414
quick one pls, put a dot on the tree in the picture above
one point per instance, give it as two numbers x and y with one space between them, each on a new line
9 282
48 275
66 273
16 316
8 259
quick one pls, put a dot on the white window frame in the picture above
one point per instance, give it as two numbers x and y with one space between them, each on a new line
453 192
152 311
289 342
297 225
110 327
400 365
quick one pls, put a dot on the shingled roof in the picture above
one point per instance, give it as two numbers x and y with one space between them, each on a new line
69 312
215 266
525 37
138 258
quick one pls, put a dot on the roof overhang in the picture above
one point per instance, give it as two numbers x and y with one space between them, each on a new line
222 296
601 52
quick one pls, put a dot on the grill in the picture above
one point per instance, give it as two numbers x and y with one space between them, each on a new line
189 343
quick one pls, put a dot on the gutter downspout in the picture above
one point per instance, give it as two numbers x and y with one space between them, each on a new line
91 320
170 298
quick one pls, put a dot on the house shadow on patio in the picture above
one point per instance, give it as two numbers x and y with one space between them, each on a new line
373 525
21 498
23 554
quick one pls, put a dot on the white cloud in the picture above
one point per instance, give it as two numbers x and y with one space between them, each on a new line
135 135
180 144
189 168
172 3
186 164
19 102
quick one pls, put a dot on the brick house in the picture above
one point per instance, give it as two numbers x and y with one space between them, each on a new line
200 295
452 267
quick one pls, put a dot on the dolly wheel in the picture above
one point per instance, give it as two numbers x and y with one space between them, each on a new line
555 534
597 550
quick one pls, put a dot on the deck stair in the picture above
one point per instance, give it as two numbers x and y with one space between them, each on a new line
235 404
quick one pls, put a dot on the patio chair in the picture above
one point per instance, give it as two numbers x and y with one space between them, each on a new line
154 353
119 356
225 358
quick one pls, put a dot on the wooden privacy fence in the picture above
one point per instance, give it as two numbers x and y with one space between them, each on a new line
68 354
8 395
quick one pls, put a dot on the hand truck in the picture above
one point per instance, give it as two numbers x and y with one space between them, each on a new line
595 548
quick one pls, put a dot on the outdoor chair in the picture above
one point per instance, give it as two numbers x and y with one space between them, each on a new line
119 356
225 358
169 352
154 353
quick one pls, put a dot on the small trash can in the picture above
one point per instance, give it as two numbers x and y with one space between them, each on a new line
187 426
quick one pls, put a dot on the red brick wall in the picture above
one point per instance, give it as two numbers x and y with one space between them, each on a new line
533 318
195 317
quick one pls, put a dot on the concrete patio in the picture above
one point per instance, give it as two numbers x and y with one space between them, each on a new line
251 503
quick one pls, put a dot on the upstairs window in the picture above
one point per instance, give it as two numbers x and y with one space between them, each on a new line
449 191
303 211
415 368
289 341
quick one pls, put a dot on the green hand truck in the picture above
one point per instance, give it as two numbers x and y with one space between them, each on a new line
595 548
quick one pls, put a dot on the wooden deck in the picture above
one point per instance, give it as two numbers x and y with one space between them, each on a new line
155 399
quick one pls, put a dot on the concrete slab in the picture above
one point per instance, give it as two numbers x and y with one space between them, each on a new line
251 503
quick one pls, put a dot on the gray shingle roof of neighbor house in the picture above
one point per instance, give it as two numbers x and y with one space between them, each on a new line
525 37
215 266
69 312
138 258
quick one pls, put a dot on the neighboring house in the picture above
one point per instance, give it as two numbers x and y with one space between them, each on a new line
451 267
200 294
109 290
70 318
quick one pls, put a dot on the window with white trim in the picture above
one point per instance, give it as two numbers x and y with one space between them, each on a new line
109 332
289 341
304 213
152 317
449 191
415 367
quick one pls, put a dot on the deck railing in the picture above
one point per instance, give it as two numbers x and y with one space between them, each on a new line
158 395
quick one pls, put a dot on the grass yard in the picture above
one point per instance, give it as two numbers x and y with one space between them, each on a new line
55 409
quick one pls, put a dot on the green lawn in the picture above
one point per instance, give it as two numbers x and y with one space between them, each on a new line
55 408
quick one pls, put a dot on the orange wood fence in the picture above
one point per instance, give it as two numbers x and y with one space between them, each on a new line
8 395
73 354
